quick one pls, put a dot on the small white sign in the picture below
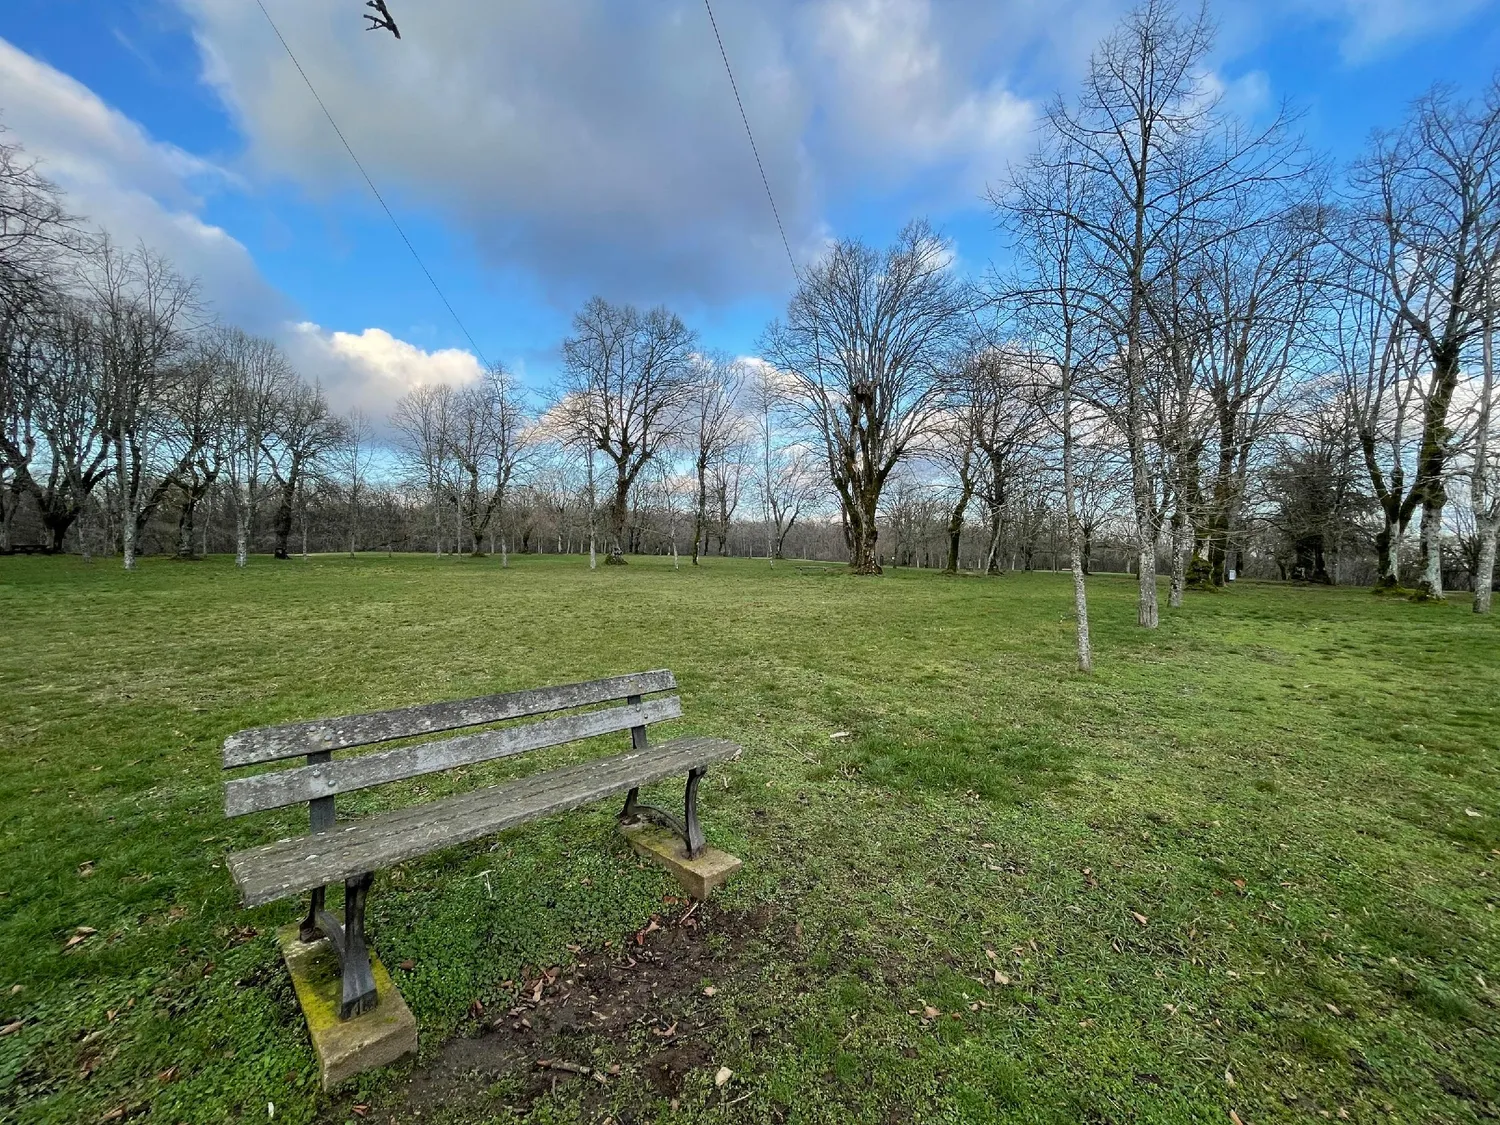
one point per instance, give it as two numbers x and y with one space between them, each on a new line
1231 576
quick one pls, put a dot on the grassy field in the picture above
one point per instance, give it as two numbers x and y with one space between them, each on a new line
1247 870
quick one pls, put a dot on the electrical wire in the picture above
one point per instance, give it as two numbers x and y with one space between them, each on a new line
376 191
787 246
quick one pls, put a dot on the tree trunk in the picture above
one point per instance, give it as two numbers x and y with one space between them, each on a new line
619 511
700 517
284 516
185 527
956 531
1076 541
1488 530
1432 459
1431 582
863 534
7 517
1179 557
241 532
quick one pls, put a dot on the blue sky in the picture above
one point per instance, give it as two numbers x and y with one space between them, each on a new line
539 151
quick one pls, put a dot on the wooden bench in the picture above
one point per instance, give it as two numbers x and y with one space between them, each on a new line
353 850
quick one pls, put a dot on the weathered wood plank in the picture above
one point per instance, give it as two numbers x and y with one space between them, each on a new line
290 867
325 779
270 744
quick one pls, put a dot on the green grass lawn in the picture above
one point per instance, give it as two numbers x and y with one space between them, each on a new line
1250 865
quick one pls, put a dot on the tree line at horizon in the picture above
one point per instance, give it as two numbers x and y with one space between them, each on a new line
1210 350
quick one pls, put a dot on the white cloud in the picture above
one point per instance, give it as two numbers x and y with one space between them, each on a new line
372 369
1375 25
895 90
120 179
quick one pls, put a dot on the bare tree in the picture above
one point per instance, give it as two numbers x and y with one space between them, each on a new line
955 444
54 443
726 483
714 424
143 310
865 340
259 378
424 419
1052 298
303 433
1484 472
36 232
1260 289
628 376
1157 172
489 441
355 458
1429 193
200 407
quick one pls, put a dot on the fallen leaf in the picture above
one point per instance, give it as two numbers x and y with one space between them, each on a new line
1141 918
12 1028
86 868
710 991
1472 812
1228 1077
116 1114
1001 978
1235 1118
1334 1008
991 954
408 965
667 1033
724 1075
17 988
840 735
930 1012
1240 883
359 1110
168 1075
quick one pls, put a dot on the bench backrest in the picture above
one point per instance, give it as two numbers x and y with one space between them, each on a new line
322 778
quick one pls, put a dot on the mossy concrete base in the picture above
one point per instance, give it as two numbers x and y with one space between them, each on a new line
698 876
346 1047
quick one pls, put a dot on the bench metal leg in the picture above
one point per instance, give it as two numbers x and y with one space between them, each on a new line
348 941
694 831
309 930
687 827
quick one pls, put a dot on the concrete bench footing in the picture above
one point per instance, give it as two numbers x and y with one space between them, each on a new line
698 877
345 1047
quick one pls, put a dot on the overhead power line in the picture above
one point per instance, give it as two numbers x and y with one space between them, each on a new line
375 190
787 246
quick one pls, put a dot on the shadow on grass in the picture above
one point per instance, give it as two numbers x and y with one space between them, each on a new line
1005 767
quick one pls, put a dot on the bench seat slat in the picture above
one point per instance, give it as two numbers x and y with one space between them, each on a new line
273 743
289 867
326 779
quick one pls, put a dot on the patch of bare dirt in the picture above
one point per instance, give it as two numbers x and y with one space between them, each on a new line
637 1008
